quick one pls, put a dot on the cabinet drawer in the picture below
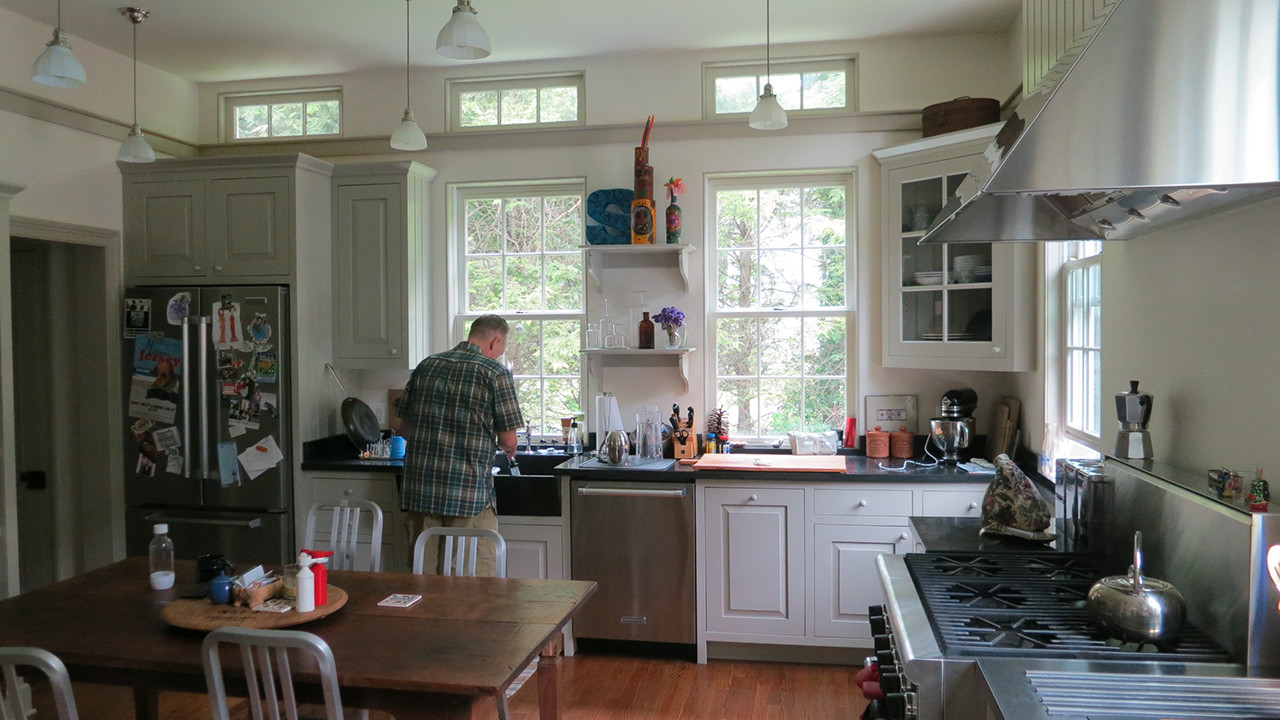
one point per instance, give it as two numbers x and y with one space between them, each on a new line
336 489
952 503
854 501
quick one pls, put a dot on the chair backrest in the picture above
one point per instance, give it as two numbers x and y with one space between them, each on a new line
461 546
344 531
268 674
13 657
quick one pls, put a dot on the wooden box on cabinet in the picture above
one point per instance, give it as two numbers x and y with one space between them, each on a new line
219 220
968 306
380 264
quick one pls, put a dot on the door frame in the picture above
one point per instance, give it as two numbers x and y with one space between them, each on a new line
100 542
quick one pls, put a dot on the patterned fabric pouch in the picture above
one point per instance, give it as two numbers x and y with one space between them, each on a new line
1012 506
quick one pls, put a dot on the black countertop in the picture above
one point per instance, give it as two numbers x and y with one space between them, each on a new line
336 453
960 534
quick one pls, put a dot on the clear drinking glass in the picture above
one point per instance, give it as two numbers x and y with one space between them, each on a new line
593 336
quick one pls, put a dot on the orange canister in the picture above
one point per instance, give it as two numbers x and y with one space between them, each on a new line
877 443
902 443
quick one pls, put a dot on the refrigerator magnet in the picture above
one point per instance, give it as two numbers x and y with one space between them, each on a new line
259 331
137 317
167 438
227 331
178 308
228 464
146 467
266 366
173 463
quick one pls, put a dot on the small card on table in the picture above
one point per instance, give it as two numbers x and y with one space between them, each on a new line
399 600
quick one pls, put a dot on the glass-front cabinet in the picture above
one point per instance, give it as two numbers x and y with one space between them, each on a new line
958 306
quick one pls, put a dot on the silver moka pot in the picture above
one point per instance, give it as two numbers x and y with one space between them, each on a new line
953 430
1133 411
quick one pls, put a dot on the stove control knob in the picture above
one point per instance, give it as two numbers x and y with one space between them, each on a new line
876 611
891 682
879 625
888 660
901 706
882 642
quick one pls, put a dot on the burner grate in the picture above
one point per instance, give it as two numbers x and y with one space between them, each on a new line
1012 605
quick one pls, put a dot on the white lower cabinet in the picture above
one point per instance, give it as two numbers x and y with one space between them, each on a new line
534 551
754 561
845 580
330 488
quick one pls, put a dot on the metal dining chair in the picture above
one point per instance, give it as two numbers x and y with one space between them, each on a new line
461 547
345 521
11 658
265 655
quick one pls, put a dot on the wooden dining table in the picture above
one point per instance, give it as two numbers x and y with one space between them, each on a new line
447 656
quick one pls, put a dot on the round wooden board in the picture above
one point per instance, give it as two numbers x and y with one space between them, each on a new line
199 614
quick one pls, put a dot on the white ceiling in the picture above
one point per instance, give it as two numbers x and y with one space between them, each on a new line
220 40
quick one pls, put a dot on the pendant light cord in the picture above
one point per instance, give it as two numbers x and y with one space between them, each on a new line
407 102
59 14
135 70
768 64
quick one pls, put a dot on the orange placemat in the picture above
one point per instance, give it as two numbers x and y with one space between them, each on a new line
774 462
200 614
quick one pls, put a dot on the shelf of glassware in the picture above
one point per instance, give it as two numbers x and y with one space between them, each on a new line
633 357
633 256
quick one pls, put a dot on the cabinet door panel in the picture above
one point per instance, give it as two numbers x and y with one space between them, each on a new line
534 551
250 226
369 232
846 580
164 228
755 580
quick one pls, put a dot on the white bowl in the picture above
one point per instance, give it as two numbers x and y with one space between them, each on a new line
928 278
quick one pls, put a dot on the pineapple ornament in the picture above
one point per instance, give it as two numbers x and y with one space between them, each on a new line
1259 494
717 431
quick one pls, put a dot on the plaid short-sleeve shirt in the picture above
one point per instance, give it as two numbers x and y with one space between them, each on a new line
455 403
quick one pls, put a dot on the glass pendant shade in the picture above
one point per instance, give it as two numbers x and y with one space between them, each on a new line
768 114
408 136
57 65
462 37
135 148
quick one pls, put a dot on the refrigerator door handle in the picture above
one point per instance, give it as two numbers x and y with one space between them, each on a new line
205 326
185 520
186 397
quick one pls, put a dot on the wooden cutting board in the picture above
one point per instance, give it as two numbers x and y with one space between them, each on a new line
775 463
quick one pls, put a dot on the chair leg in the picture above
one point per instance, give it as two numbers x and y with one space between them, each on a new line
504 712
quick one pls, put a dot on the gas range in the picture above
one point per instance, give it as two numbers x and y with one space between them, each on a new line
945 612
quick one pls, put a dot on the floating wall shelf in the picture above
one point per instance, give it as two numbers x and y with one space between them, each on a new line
632 357
598 257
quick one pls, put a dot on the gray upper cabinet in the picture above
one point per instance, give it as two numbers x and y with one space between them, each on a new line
380 265
216 220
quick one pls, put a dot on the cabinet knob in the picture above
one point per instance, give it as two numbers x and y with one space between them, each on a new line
347 492
217 268
862 503
996 350
393 352
904 536
973 506
197 268
753 498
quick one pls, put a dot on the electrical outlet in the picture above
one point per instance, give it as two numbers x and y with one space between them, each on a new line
380 412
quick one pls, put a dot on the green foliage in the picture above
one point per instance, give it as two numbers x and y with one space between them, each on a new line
323 118
519 107
286 119
478 109
558 104
251 121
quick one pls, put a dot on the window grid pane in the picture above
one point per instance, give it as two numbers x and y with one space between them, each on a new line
1083 341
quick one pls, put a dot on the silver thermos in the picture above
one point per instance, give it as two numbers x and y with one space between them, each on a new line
1133 411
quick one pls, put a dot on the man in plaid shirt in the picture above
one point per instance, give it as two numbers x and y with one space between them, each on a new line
457 403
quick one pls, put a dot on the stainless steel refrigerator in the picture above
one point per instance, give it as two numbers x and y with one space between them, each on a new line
207 433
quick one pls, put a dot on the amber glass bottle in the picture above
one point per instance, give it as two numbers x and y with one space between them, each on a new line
646 333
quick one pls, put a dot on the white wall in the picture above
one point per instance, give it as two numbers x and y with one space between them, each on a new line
1191 312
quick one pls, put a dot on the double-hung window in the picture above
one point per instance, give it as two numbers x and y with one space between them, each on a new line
520 257
780 308
1081 381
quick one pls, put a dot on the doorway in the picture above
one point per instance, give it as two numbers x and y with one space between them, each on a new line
63 295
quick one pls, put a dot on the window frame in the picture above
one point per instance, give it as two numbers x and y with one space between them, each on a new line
711 71
455 87
460 320
717 182
1071 262
229 101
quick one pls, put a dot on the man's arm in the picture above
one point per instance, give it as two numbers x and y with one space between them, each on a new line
508 441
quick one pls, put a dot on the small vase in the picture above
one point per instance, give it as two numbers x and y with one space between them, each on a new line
673 222
673 336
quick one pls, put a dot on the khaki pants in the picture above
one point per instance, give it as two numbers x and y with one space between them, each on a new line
415 523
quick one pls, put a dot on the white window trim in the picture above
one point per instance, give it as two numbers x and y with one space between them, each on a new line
714 182
229 101
711 71
454 87
1071 442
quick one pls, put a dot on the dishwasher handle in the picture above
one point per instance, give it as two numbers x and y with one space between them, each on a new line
633 492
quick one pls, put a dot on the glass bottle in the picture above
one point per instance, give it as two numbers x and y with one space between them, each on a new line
639 309
645 339
161 552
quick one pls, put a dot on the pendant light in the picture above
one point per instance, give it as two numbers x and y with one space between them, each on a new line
462 37
768 114
408 136
57 65
135 148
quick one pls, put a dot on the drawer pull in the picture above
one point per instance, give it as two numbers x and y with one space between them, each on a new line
904 536
862 503
753 498
348 492
973 506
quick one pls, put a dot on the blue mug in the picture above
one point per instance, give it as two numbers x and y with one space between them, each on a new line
397 446
220 589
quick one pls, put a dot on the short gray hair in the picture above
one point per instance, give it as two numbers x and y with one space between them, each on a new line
487 325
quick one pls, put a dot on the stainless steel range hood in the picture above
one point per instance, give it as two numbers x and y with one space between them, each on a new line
1171 111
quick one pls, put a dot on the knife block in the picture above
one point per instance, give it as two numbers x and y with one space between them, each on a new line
684 442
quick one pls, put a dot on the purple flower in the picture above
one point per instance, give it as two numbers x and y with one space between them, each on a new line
670 316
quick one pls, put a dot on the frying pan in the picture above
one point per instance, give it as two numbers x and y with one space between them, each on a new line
357 417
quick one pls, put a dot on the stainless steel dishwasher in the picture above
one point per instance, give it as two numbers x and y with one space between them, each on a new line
635 539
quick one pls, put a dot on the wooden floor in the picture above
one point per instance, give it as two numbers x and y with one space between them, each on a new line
605 687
